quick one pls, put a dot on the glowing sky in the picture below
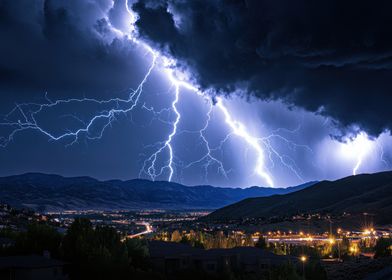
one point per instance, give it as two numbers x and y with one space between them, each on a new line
93 95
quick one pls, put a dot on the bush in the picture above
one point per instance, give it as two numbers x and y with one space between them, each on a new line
37 239
383 248
284 272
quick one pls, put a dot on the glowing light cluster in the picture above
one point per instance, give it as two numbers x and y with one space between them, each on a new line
357 149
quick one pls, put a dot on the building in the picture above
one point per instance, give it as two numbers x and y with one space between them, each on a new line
31 268
170 257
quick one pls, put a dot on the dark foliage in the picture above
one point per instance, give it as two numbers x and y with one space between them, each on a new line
383 248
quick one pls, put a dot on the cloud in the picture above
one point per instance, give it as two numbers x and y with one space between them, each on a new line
332 57
68 46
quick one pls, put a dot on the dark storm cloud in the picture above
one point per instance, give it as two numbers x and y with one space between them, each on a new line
332 56
64 46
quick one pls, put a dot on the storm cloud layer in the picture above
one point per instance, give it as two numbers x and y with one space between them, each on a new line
332 57
64 46
74 68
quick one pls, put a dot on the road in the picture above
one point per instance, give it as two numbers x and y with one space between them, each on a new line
148 230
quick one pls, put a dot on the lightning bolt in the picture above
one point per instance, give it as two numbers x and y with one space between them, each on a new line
358 148
383 160
30 122
96 125
208 159
358 164
149 166
239 129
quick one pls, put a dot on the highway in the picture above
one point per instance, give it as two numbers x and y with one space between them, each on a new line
148 230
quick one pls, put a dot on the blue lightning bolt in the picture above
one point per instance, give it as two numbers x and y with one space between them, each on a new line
208 158
30 122
239 129
30 111
149 166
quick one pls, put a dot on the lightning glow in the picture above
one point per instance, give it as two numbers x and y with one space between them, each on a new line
208 158
124 106
239 129
30 122
358 148
24 117
149 166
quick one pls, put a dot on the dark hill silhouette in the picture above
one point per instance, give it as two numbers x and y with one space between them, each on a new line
53 192
370 193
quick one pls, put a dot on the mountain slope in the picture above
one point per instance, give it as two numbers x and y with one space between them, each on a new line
355 194
52 192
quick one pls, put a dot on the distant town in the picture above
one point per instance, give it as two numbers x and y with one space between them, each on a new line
189 238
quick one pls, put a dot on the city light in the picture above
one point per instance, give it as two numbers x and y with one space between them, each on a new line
354 249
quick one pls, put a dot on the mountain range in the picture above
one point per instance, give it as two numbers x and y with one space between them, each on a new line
44 192
365 193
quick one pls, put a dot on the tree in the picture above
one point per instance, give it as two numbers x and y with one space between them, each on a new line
383 247
284 272
261 243
185 240
97 253
109 250
315 271
37 239
77 244
248 241
137 253
176 236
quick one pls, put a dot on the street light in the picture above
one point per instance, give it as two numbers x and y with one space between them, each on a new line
303 259
354 250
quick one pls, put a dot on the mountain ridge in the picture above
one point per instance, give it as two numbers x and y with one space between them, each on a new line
51 192
370 193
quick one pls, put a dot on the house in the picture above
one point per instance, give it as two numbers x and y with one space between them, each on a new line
31 268
170 257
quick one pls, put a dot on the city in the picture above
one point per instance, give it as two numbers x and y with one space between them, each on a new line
195 139
338 250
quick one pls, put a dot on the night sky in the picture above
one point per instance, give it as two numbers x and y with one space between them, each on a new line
221 92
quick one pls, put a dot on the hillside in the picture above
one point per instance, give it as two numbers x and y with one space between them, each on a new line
52 192
370 193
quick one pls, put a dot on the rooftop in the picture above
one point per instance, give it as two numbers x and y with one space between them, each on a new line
249 255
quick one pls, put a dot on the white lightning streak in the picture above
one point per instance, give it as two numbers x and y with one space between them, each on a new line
30 121
151 169
239 129
208 157
356 167
357 149
29 111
